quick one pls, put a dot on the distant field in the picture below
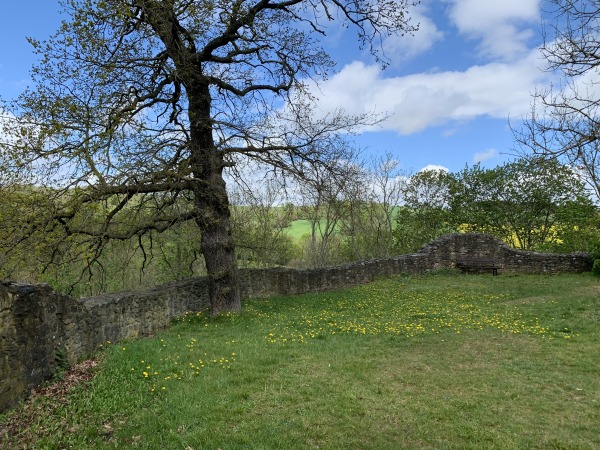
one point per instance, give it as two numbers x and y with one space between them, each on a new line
298 229
431 362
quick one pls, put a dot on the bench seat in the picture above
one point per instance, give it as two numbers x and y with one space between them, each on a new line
477 264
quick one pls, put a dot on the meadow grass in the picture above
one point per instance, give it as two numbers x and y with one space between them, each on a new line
431 362
298 229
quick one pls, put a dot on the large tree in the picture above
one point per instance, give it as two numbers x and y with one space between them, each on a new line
426 213
138 107
565 119
531 204
371 199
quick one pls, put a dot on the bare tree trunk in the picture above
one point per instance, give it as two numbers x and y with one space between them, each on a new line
218 250
212 205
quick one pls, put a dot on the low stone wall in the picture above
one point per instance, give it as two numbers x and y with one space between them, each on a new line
446 250
37 324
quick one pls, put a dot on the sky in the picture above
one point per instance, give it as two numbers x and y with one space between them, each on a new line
451 92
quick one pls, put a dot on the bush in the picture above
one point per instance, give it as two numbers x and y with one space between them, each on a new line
596 268
595 251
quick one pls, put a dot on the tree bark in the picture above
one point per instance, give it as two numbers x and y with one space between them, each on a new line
211 201
212 204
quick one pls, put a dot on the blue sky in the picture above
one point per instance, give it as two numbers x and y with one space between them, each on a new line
449 90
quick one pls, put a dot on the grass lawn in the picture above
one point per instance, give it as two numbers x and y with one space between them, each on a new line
431 362
298 229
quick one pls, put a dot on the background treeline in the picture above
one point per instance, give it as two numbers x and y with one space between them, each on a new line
366 211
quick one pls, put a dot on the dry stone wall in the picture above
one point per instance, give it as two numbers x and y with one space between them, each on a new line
37 324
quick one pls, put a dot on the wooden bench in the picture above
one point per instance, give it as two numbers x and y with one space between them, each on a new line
477 264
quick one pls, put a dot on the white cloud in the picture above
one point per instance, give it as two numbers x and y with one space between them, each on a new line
417 102
485 155
400 48
434 167
503 26
5 119
7 141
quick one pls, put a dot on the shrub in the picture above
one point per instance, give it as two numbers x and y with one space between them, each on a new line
596 268
595 251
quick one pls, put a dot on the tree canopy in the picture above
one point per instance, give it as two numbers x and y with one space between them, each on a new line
531 204
564 122
528 203
139 106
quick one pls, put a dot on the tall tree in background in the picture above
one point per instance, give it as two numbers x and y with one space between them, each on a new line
371 195
138 107
325 205
530 204
565 120
426 212
259 223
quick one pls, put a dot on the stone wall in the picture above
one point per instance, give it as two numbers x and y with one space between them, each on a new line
37 324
